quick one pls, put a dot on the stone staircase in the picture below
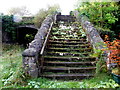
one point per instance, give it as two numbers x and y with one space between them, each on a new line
67 55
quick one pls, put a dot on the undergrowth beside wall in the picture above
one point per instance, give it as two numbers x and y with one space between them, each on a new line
12 75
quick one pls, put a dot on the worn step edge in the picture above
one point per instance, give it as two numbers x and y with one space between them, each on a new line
67 36
57 62
69 45
68 53
68 42
68 68
60 39
67 75
69 57
69 49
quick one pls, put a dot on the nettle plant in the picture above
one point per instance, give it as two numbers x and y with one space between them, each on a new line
114 57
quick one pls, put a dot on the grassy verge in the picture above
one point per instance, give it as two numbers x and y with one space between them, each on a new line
101 81
11 65
12 75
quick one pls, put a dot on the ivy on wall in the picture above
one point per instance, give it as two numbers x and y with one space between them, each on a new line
9 26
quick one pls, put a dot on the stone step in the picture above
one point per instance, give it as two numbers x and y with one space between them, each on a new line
57 69
67 35
66 42
66 46
69 64
77 45
70 49
71 76
62 39
70 59
67 54
77 37
56 37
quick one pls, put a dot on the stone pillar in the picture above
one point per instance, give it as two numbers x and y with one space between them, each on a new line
30 62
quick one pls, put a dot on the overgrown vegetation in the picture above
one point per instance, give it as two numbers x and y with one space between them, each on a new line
11 66
97 82
12 75
104 15
9 26
101 14
42 13
114 57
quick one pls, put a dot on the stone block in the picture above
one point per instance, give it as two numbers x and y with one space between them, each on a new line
30 52
34 73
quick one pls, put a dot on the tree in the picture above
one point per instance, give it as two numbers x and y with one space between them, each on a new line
21 11
42 13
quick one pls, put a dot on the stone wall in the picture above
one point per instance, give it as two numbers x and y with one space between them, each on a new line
65 18
31 56
93 36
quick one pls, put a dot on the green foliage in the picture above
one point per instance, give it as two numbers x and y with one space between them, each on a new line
82 32
27 22
101 14
29 37
11 66
100 81
71 13
9 26
104 32
100 64
12 75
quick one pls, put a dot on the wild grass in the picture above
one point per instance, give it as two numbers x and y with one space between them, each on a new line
11 65
101 81
12 75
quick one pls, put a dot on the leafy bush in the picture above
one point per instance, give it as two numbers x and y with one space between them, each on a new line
101 14
114 57
105 15
104 32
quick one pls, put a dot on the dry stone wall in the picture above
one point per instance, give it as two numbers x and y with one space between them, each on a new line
31 63
93 36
